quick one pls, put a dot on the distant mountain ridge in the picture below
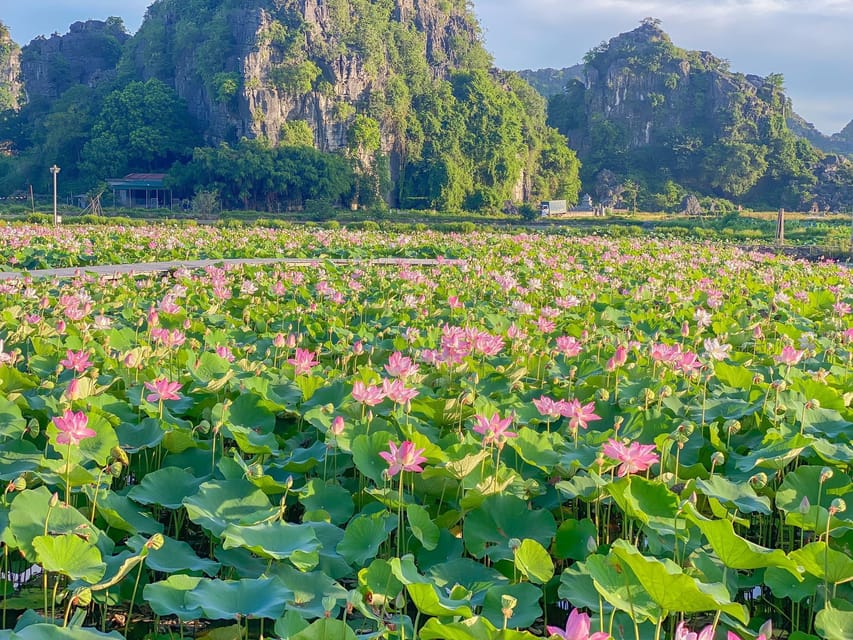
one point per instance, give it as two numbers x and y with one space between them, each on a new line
10 68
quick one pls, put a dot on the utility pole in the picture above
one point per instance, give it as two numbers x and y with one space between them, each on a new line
54 170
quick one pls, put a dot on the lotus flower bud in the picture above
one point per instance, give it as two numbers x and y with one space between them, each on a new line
805 505
337 427
54 500
287 483
591 545
155 542
759 480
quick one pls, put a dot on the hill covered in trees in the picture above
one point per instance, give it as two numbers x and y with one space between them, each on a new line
658 122
400 92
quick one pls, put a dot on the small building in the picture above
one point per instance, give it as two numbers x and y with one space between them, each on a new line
141 190
585 205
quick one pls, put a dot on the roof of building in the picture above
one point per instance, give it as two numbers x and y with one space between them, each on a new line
139 181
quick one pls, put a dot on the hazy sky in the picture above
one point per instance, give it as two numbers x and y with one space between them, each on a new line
808 41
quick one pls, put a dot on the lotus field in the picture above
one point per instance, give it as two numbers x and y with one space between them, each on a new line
582 438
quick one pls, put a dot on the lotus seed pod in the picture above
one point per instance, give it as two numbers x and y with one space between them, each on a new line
330 601
648 395
82 598
759 480
757 378
514 544
814 403
33 427
602 395
826 474
115 469
155 542
19 483
666 391
718 459
805 505
508 603
838 506
119 455
732 426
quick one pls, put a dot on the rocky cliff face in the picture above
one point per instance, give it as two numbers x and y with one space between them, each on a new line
261 66
85 55
10 69
649 92
841 142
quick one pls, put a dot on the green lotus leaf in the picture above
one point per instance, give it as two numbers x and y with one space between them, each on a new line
501 518
365 454
71 556
289 624
617 584
44 631
673 590
476 628
429 601
826 563
147 434
97 448
326 629
780 583
740 495
227 599
309 591
423 528
575 539
805 482
167 487
277 540
835 622
474 576
379 580
362 539
174 556
738 553
537 449
121 513
12 423
644 500
534 562
331 498
526 611
169 597
29 512
219 503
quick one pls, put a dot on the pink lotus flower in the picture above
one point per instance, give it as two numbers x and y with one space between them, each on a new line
76 360
549 407
683 633
397 391
619 358
404 458
764 633
579 415
162 390
400 366
577 628
634 458
337 427
568 346
371 395
453 302
790 356
303 361
73 428
494 430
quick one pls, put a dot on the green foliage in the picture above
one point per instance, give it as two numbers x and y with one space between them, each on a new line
295 78
226 85
296 133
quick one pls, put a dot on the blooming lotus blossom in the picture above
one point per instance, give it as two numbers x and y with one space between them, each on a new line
400 366
72 427
549 407
790 356
369 395
494 429
683 633
715 350
303 361
579 415
169 339
577 628
454 303
337 427
568 346
765 632
397 391
162 390
634 458
702 318
5 358
76 360
405 458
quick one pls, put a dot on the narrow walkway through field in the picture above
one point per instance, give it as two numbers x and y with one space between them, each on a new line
149 268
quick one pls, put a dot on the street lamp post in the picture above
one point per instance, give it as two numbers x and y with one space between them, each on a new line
54 170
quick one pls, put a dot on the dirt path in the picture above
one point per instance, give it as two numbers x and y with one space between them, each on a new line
148 268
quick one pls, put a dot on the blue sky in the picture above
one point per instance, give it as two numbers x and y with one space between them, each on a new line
808 41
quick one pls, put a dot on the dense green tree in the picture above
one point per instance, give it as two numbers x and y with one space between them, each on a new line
144 126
